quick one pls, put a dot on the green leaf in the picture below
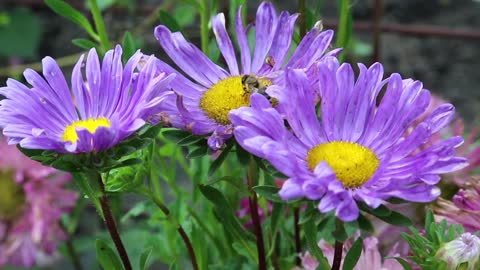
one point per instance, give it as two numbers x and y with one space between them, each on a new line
191 140
185 15
128 45
198 152
244 250
397 219
310 232
65 10
107 258
242 155
84 43
344 31
404 263
234 181
91 191
381 211
145 257
365 224
21 34
169 21
175 135
353 255
220 159
269 192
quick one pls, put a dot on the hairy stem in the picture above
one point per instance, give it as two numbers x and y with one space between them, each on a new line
257 226
112 228
337 256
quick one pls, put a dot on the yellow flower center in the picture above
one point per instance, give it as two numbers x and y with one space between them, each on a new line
12 196
226 95
352 163
70 134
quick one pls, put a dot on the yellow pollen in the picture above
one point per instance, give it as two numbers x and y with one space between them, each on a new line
352 163
226 95
12 196
70 134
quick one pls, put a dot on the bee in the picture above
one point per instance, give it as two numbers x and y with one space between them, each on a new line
252 84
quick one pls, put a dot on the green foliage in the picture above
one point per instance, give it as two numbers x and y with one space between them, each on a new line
385 214
20 33
107 258
128 45
65 10
168 20
344 31
424 246
353 254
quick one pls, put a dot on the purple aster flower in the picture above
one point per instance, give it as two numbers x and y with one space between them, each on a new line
32 201
358 151
370 258
112 103
211 92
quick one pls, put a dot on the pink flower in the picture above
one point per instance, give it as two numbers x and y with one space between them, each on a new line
32 201
463 209
369 259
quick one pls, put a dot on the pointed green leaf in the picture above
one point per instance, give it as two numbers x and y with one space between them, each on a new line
169 21
65 10
107 258
220 159
145 257
269 192
84 43
353 255
129 47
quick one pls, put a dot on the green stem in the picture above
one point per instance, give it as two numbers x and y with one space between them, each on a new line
252 173
99 25
204 19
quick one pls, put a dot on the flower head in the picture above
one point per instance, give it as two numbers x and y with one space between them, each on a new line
32 200
112 103
211 92
358 151
463 209
461 253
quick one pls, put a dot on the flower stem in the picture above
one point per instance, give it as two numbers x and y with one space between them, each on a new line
180 230
298 244
112 228
337 256
99 25
257 226
204 25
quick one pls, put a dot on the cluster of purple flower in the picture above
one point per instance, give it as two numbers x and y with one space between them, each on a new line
332 133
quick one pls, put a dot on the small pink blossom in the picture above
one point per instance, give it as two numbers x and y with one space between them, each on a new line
29 219
369 259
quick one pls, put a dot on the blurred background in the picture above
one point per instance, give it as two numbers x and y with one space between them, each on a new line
435 41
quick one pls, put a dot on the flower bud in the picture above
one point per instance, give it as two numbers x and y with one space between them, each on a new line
462 253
